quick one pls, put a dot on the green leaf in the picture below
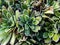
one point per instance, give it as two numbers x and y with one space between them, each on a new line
28 2
50 2
50 34
3 36
45 35
36 29
26 26
12 22
33 19
39 18
55 30
13 39
55 18
48 40
32 27
36 20
56 5
26 17
55 38
27 30
0 2
2 30
24 6
57 13
5 41
25 12
32 40
17 13
20 29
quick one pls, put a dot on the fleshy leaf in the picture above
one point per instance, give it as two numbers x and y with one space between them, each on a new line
45 35
27 30
50 34
36 29
55 38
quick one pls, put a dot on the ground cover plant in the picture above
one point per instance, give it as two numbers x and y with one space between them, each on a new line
30 22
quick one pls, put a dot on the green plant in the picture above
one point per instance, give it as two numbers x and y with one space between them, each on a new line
27 22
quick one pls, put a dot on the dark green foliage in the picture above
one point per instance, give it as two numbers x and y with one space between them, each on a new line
29 22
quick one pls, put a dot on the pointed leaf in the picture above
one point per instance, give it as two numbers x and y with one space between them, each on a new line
13 39
5 41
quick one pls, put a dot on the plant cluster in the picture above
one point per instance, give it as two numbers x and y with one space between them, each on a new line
30 22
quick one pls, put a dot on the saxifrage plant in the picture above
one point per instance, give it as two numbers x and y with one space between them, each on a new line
29 22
